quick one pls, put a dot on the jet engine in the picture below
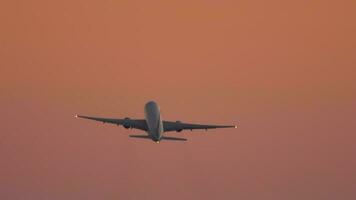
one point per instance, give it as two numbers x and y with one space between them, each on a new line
181 128
126 123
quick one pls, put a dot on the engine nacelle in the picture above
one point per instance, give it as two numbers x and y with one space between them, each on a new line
180 129
126 123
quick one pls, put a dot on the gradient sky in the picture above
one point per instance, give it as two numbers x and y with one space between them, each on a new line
283 70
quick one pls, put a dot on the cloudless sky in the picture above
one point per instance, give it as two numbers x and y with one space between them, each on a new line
284 71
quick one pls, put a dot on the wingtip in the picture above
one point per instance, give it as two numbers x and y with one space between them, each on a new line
235 126
76 116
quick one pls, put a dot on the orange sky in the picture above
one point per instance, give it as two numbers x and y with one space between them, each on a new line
284 71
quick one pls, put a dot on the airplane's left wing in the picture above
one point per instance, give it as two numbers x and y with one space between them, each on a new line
126 122
179 126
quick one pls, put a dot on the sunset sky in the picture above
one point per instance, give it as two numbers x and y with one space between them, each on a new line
284 71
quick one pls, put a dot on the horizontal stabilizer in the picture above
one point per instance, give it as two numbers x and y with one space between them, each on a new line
163 137
141 136
173 138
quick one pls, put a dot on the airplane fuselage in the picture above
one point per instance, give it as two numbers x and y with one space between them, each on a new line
153 120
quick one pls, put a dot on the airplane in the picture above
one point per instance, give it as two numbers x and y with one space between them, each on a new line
153 125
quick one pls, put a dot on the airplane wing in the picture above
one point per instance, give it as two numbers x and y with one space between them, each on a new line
126 122
179 126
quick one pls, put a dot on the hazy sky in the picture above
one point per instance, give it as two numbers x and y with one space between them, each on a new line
283 70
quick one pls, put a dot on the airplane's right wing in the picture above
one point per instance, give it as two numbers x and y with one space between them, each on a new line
126 122
178 126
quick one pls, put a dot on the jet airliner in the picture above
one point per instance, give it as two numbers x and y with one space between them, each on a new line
153 125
